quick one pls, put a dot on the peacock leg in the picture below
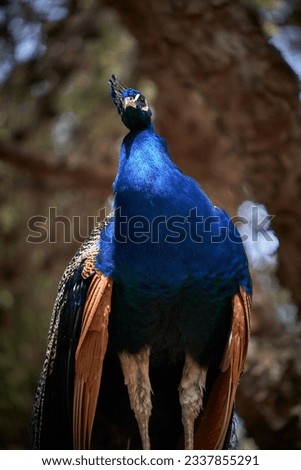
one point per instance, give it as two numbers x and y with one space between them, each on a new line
191 393
135 368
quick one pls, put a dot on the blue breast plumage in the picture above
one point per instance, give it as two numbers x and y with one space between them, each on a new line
170 251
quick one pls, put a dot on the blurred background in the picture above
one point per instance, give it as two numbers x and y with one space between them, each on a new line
223 78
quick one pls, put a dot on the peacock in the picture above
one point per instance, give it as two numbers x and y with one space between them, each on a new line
150 328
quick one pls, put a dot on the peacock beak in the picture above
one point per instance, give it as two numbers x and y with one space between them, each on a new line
130 101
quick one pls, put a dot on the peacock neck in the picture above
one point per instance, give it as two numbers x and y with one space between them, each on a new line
145 167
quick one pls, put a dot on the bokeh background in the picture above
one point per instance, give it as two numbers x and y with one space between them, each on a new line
223 78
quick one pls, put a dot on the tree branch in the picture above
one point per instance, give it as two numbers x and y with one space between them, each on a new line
46 169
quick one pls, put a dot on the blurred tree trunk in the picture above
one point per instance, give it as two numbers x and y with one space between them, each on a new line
228 105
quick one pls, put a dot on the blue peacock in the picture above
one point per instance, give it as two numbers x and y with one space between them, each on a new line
150 328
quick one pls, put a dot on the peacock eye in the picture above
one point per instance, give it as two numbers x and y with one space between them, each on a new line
142 100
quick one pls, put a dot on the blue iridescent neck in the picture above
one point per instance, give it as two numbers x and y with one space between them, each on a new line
144 163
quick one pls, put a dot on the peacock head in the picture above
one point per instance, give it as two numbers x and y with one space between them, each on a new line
132 106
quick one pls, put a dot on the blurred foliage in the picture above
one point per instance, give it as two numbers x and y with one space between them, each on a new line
83 66
281 21
21 330
29 278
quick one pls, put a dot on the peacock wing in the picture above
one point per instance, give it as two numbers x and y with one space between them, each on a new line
52 415
89 357
211 431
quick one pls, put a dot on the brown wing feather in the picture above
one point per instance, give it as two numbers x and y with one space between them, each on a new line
213 425
89 358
